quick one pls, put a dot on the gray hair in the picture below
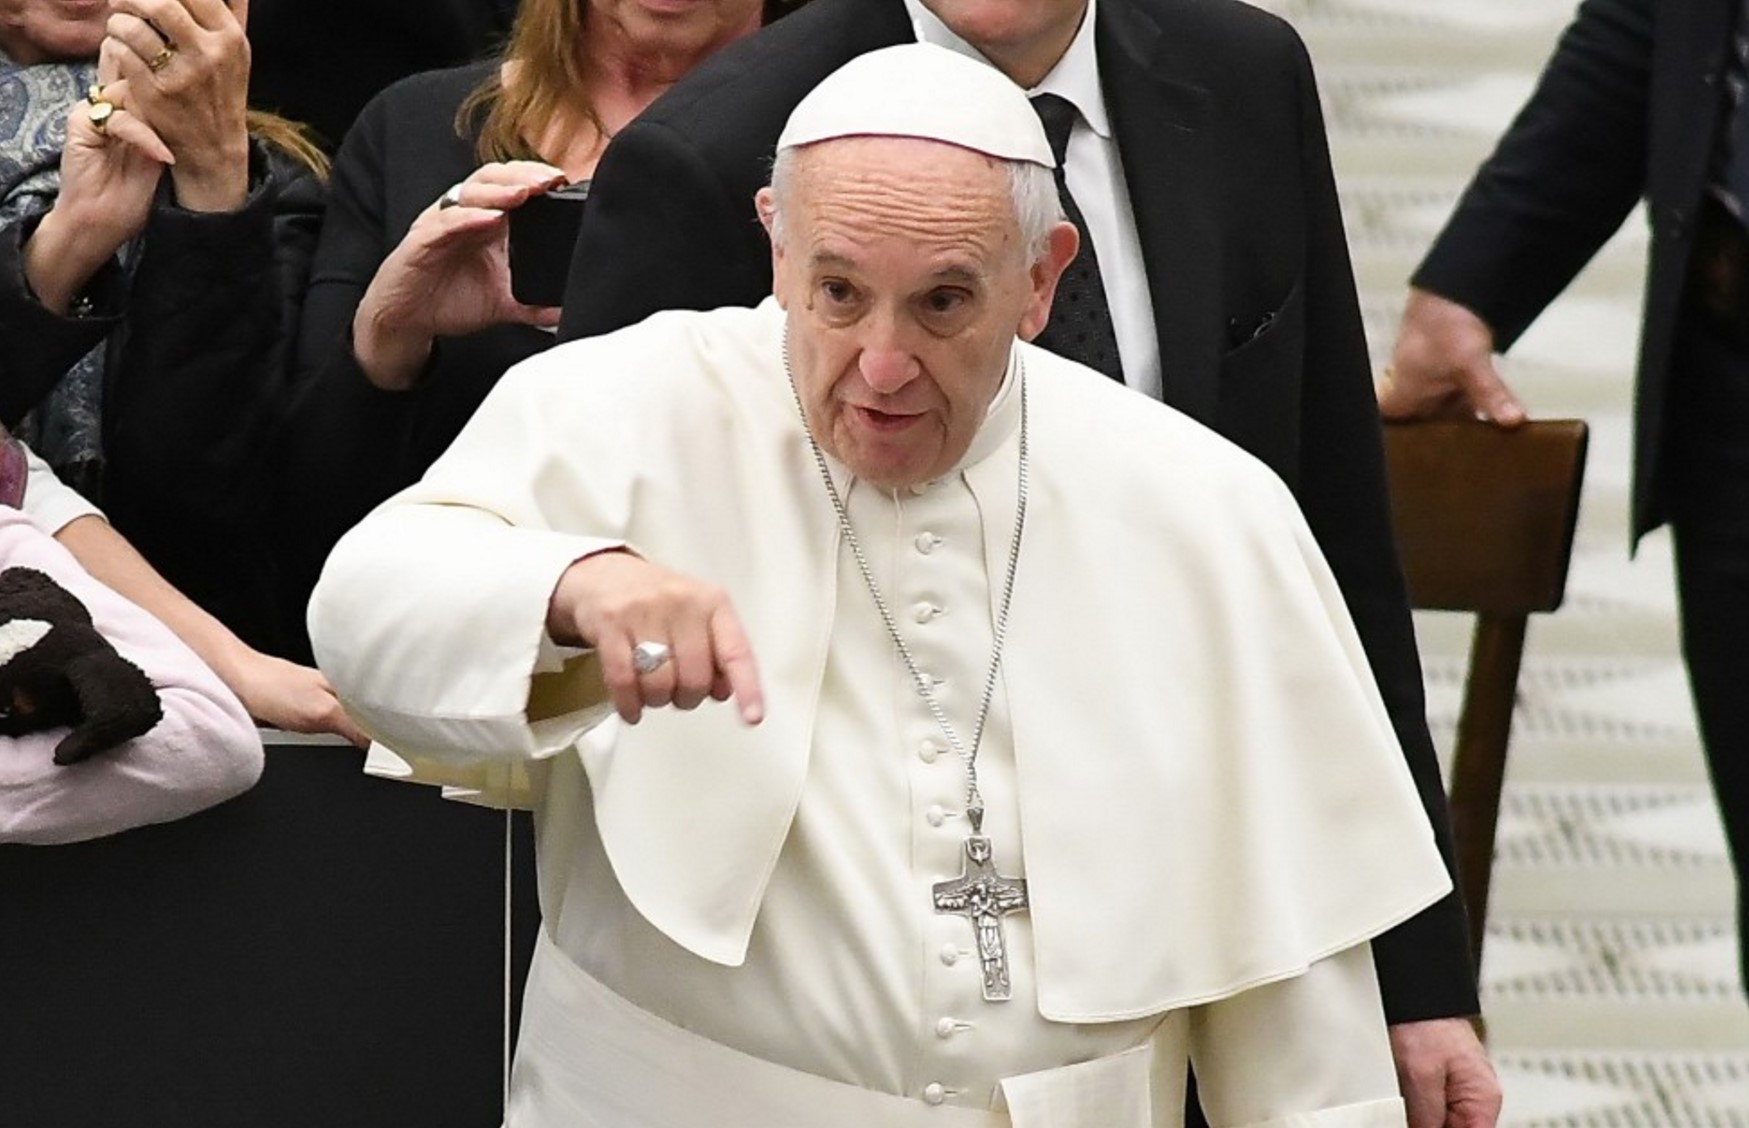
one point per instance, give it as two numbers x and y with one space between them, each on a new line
1032 187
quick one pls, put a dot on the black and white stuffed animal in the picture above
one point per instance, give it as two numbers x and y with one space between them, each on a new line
57 670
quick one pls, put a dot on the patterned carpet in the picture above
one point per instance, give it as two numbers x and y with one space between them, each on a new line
1609 977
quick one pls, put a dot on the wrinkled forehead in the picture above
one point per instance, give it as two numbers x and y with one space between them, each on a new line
846 161
932 194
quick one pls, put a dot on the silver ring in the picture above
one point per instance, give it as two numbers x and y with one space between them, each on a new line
452 197
648 657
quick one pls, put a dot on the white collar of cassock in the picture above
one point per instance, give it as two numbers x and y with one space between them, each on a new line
1001 421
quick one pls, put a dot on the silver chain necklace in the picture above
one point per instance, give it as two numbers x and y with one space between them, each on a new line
980 894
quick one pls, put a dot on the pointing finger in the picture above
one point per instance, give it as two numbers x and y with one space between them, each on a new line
736 664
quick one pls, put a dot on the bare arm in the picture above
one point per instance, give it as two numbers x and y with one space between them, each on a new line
277 692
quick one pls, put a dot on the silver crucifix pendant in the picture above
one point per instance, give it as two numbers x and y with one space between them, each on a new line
984 897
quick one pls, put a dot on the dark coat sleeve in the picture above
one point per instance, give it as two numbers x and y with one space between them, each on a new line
204 349
194 372
662 231
1424 965
1562 179
37 346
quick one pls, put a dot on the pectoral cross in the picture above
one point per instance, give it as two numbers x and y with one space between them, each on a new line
984 897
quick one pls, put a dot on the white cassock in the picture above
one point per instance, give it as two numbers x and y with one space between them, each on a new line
1186 757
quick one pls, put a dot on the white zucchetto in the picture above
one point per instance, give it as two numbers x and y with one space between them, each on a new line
920 90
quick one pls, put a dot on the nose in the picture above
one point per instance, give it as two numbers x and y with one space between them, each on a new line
885 362
887 370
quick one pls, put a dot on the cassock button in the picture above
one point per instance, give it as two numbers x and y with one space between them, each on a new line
950 954
936 815
927 543
934 1092
946 1027
928 751
924 612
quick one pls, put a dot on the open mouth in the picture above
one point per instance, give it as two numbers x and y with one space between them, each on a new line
885 420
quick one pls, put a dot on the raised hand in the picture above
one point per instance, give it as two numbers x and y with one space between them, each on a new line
110 167
449 276
615 601
187 63
1443 365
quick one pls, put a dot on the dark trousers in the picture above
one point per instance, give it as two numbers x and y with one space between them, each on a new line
1706 488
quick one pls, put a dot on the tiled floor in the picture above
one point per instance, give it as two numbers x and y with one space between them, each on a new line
1610 976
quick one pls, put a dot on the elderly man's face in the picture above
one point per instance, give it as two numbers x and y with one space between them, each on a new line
905 280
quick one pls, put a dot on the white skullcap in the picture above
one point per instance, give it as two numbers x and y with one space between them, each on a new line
920 90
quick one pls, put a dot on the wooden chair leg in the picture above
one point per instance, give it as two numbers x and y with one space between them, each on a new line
1479 762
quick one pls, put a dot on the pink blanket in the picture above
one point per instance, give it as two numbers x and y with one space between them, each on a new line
204 751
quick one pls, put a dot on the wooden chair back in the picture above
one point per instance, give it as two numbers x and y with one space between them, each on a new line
1484 523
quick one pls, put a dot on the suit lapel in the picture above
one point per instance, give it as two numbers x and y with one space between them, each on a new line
1160 120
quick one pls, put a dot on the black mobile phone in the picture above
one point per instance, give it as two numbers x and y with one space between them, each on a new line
542 232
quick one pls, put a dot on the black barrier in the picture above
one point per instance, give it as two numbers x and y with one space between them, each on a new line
325 951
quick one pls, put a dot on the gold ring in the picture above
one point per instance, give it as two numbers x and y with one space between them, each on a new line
94 93
99 115
161 60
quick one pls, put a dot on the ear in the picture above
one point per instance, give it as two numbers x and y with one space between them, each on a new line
765 203
1060 248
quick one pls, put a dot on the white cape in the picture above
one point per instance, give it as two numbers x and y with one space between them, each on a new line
1201 752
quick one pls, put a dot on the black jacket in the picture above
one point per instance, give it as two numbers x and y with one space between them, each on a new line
1629 107
320 61
341 445
196 335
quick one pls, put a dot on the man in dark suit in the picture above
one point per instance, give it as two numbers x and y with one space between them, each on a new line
1198 156
1642 99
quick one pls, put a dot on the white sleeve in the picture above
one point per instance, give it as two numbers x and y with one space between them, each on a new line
430 620
49 502
1307 1052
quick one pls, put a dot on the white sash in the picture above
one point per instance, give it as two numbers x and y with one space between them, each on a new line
588 1058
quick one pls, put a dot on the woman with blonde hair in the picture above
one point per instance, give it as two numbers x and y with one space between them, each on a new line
409 319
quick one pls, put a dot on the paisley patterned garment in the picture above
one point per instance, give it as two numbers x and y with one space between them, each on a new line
34 101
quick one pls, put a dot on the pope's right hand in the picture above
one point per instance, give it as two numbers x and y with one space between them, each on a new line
449 276
1443 365
613 601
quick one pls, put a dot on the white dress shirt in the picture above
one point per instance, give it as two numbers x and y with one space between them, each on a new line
1095 176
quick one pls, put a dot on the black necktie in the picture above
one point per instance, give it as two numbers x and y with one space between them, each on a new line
1080 325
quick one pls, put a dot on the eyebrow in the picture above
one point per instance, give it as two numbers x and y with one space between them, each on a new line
963 275
830 258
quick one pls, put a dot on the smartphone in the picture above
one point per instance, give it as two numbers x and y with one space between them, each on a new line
542 233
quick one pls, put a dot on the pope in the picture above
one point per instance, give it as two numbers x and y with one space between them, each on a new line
921 728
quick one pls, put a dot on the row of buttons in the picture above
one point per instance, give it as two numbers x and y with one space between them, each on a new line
929 751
